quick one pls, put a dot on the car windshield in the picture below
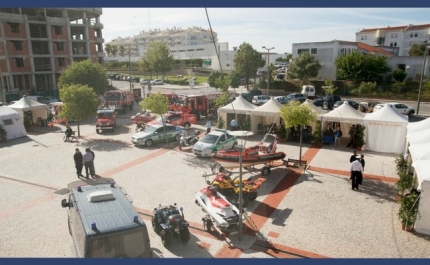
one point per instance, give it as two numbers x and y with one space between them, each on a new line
150 130
159 118
103 115
112 97
210 139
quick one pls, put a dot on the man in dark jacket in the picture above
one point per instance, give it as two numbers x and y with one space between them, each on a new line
94 156
360 180
352 159
78 158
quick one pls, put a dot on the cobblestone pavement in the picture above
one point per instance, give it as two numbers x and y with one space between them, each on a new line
299 214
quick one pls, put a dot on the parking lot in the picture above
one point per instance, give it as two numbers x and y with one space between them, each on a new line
298 214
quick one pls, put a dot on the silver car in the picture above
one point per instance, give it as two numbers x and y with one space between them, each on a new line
218 137
156 134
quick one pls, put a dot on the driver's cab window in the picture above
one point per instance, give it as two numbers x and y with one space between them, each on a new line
171 128
160 130
229 136
174 117
222 138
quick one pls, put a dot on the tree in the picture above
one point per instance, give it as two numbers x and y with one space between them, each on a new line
114 50
85 73
80 103
158 103
213 77
247 61
417 50
288 57
328 87
399 75
303 67
108 49
397 87
223 83
357 66
121 50
235 79
295 114
366 87
159 58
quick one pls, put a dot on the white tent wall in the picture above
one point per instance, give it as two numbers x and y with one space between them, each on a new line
37 109
422 169
385 137
419 151
416 137
12 122
418 126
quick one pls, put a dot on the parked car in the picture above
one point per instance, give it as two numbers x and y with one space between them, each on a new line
282 99
280 70
251 93
296 96
260 100
329 101
350 102
318 102
178 119
365 106
157 82
217 137
399 107
261 73
157 133
135 79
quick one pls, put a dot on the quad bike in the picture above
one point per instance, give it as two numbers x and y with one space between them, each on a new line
168 222
229 187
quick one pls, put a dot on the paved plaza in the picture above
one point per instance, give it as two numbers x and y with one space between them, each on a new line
311 214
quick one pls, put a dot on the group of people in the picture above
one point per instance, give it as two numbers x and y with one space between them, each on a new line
86 160
357 169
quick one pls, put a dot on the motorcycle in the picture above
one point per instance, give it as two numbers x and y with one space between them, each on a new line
188 140
229 187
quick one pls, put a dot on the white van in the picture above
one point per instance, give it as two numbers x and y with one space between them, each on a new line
39 99
309 91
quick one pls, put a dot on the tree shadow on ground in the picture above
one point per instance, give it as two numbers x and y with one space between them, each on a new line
105 144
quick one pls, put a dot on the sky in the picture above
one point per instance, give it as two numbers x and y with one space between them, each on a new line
270 27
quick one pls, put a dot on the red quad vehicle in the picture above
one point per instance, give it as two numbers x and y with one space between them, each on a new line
176 118
106 120
142 119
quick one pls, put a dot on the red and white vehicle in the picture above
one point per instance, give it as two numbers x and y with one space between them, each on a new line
142 118
106 120
176 118
119 100
172 97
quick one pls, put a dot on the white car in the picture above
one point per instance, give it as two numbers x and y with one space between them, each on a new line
220 139
282 99
157 82
399 107
260 100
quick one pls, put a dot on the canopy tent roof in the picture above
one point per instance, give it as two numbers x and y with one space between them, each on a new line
26 104
239 105
417 126
313 107
416 137
343 113
270 108
387 114
420 151
422 169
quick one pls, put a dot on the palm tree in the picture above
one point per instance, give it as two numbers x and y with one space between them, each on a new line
114 50
121 50
108 49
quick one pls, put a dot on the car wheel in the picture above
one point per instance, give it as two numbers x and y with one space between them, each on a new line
149 142
97 131
410 114
265 171
165 238
155 226
185 234
187 125
178 137
252 196
261 103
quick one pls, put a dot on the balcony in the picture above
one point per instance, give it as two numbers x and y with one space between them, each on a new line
98 25
100 40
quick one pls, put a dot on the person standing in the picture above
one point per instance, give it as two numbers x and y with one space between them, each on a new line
208 126
352 159
94 156
356 172
78 158
362 164
352 133
337 135
233 125
305 133
89 162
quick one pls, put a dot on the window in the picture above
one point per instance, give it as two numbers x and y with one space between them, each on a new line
17 45
314 51
299 51
58 30
194 43
60 46
61 62
395 35
14 27
19 62
365 37
194 37
8 122
392 35
416 35
362 37
395 44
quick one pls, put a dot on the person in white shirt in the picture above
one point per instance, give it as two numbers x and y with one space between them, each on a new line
89 163
233 125
208 126
356 172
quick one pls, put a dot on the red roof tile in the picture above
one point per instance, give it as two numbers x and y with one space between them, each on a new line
413 27
374 49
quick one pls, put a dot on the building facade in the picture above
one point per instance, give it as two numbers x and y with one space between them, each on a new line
402 37
36 44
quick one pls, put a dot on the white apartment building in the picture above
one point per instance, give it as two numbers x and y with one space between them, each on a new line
403 37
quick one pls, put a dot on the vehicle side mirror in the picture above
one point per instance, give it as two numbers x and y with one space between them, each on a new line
64 203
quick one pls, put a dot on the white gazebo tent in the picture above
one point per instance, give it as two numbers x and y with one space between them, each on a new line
38 110
422 136
418 126
422 169
12 122
345 115
419 151
238 109
385 131
315 109
266 114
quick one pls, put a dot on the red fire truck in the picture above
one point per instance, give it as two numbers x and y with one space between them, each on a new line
119 100
199 105
173 97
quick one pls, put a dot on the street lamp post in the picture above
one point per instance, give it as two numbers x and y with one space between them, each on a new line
268 72
422 75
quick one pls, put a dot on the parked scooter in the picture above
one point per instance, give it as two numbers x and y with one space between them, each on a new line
188 140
